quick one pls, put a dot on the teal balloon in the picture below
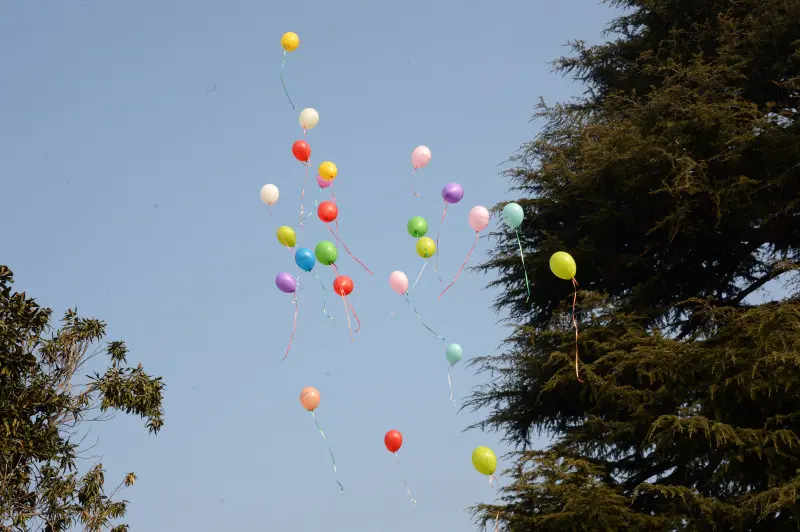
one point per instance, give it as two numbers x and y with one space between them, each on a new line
453 353
513 215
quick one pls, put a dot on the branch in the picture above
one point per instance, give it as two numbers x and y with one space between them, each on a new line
777 269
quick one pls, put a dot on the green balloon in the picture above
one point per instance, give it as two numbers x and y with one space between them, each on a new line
513 215
417 226
326 252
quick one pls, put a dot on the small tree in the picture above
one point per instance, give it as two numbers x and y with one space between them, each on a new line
43 409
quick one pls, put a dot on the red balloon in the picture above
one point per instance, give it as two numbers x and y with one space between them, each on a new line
327 211
393 440
301 151
343 285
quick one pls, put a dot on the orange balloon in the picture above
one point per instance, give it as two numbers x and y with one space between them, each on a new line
309 398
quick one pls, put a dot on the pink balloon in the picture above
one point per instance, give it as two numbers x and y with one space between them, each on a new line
478 218
323 183
420 157
399 282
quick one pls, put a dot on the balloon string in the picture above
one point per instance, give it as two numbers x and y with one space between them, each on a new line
269 209
303 192
336 236
497 522
410 304
316 204
575 324
420 274
524 270
462 266
450 383
283 83
325 291
333 460
358 321
347 311
413 173
294 328
408 490
335 268
438 232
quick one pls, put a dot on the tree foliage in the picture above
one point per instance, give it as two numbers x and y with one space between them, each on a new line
675 183
43 408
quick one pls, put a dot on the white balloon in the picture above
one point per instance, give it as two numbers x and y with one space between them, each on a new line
269 194
309 118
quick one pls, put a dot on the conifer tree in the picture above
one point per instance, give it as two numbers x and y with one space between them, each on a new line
674 182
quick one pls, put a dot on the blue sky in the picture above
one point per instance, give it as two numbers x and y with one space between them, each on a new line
135 139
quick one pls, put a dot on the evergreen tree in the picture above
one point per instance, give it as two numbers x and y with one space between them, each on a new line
42 412
675 184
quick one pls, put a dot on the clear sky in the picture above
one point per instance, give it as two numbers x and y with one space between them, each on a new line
135 138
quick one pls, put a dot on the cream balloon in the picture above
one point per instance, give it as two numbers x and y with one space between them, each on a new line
269 194
309 118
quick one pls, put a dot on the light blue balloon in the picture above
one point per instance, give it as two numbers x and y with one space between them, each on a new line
513 215
453 353
304 258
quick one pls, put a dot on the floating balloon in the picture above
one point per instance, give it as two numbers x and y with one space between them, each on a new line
323 183
393 441
309 118
301 151
326 253
287 236
513 215
484 460
328 171
453 353
290 41
343 285
399 282
309 398
417 226
305 260
327 211
426 247
479 218
420 157
563 265
452 193
286 283
269 194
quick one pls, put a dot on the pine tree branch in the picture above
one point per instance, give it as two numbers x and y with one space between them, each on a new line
777 269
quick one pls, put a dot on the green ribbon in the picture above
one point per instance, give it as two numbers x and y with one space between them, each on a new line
325 304
282 82
410 304
333 460
524 270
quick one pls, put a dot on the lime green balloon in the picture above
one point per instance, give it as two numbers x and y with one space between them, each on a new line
563 265
326 252
286 236
417 226
426 247
484 460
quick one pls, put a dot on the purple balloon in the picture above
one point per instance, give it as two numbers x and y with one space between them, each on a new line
323 183
286 283
452 192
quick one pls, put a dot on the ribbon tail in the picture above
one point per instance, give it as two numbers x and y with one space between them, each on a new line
325 291
347 311
303 191
269 209
450 384
339 240
408 490
358 321
524 270
497 522
285 56
413 173
410 304
462 266
575 324
420 274
438 232
294 328
333 460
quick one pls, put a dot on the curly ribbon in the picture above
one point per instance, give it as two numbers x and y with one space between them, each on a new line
420 275
413 173
294 327
325 291
408 490
450 383
303 192
347 311
333 460
497 517
336 236
575 324
524 270
462 266
269 209
410 304
285 56
438 232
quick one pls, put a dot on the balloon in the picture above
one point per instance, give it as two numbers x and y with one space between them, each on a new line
420 157
309 398
304 258
452 193
326 252
327 211
478 218
328 171
309 118
286 283
290 41
484 460
513 215
426 247
286 236
417 226
453 353
269 194
301 151
399 282
563 265
343 285
393 440
323 183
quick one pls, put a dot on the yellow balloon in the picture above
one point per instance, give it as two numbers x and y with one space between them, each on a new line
290 41
484 460
563 265
426 247
328 171
286 236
